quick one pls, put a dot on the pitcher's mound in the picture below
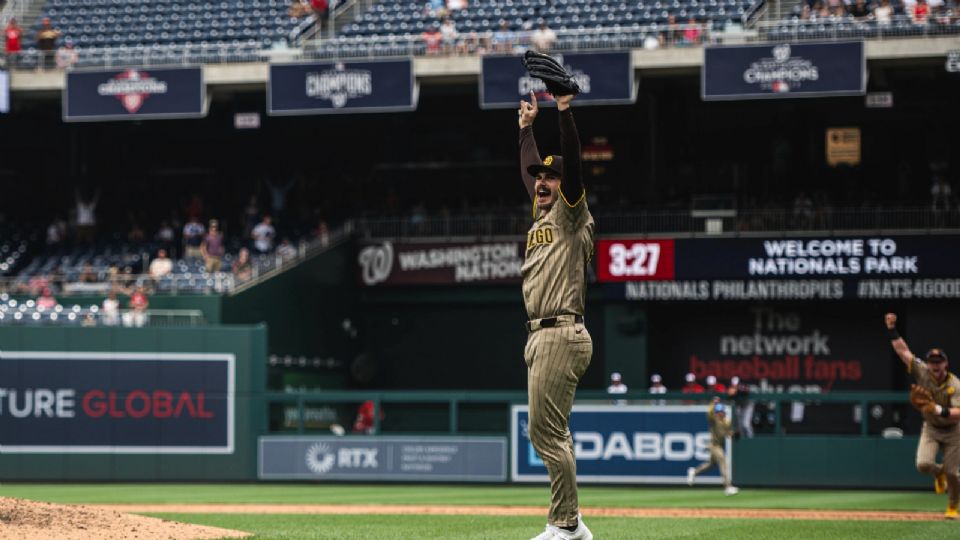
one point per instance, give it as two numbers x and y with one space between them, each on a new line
31 520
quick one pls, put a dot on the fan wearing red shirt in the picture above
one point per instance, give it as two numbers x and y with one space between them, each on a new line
13 34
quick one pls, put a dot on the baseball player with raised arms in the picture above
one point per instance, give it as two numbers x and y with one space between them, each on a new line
720 429
936 395
558 350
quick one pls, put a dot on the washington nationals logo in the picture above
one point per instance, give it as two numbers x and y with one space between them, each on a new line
376 263
781 53
339 85
132 88
320 459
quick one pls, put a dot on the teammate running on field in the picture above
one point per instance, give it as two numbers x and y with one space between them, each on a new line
937 396
558 350
720 428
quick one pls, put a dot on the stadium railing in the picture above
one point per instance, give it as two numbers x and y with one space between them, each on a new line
901 26
28 314
780 407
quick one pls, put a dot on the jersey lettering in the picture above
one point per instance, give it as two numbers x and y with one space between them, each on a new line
539 237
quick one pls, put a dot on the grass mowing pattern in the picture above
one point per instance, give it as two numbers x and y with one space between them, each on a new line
305 527
632 496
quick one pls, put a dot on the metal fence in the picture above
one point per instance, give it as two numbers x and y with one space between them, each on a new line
900 26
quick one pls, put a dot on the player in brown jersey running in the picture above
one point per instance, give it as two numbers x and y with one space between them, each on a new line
941 422
558 351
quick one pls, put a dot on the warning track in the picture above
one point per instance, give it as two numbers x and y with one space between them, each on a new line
458 510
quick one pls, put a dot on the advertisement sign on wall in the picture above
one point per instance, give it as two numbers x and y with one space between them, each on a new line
342 87
116 402
438 458
604 78
389 263
784 70
624 444
134 94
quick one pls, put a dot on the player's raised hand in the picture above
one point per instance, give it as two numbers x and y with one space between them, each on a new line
890 319
528 111
563 102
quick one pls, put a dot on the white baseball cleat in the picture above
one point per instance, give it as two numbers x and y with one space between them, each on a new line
548 534
691 472
731 490
556 533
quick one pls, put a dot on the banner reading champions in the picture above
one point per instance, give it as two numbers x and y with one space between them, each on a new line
342 87
811 268
624 444
388 263
784 70
604 78
116 403
134 94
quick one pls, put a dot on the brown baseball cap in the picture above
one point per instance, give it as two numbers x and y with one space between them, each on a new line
551 164
935 355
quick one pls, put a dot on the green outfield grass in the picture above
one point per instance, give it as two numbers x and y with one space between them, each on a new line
374 527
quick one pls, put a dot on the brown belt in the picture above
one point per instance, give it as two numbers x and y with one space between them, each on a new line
550 322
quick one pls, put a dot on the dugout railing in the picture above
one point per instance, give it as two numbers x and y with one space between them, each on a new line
882 414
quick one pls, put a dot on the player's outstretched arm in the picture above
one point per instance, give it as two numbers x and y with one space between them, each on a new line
898 343
571 185
529 155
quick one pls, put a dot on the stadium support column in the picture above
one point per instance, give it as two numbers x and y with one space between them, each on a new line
625 343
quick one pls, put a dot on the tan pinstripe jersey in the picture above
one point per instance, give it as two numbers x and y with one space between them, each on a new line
945 395
719 429
559 247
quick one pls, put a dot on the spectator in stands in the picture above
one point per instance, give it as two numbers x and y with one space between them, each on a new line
67 55
432 39
46 300
321 8
364 423
87 218
110 310
212 248
859 10
692 33
805 12
713 386
920 12
322 233
242 268
474 43
193 232
298 9
436 9
671 35
617 387
14 45
543 39
285 250
691 386
448 35
137 315
263 235
503 39
250 214
165 235
740 394
161 266
883 13
56 232
656 384
87 274
47 43
456 5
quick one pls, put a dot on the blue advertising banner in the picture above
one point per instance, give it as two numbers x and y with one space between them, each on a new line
342 87
120 403
605 79
625 444
784 70
367 458
134 94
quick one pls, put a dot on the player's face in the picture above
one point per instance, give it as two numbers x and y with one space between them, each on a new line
547 189
938 370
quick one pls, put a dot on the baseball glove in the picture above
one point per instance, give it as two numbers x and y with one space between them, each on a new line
921 399
558 81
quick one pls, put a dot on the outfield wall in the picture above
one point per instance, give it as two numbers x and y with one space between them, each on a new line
112 404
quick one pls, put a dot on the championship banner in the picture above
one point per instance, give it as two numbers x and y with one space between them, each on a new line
784 70
369 458
773 347
342 87
629 444
811 268
134 94
604 79
116 403
388 263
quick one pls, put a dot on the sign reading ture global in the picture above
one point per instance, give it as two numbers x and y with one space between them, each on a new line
604 79
437 458
387 263
783 70
120 403
880 267
624 444
134 94
342 87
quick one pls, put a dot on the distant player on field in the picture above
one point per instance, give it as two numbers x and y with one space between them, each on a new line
720 429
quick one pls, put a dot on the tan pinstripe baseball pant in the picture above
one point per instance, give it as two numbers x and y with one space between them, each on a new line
556 359
948 442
